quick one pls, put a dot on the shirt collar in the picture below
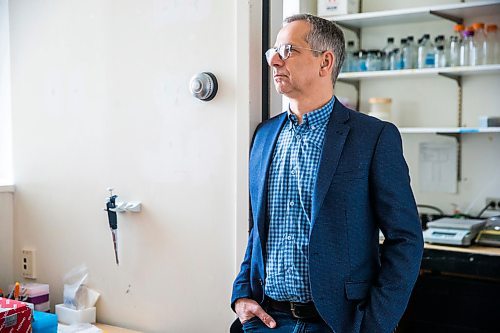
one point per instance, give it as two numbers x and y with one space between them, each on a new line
314 119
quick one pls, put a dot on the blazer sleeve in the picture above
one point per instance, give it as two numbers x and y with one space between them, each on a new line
241 286
397 217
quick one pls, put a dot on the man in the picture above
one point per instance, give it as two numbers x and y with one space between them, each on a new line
323 180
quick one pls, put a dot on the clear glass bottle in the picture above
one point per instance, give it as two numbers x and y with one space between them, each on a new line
480 45
425 53
402 49
362 55
440 57
388 48
492 39
373 61
467 48
394 59
411 54
349 60
454 53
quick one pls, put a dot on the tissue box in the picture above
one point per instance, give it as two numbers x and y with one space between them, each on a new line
71 316
15 316
44 322
337 7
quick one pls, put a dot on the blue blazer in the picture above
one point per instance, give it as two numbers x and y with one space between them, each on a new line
362 186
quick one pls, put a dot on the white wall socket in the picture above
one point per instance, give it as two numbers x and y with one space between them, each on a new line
28 263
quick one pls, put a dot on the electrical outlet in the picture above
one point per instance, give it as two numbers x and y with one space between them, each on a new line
496 202
28 261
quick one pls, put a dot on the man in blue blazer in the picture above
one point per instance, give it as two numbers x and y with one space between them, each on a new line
323 180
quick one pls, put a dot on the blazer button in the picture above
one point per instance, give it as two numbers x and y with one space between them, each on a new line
261 282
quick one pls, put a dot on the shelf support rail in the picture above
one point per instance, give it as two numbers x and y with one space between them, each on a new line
457 20
457 136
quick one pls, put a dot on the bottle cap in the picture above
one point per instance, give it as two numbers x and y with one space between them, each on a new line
478 25
491 27
350 43
440 47
410 38
427 36
468 33
379 100
390 40
459 27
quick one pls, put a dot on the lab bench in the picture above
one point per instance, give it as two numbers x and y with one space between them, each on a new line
458 291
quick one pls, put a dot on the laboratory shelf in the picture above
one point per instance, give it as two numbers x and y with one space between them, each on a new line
455 12
448 130
452 71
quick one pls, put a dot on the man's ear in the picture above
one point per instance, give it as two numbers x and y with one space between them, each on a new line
327 64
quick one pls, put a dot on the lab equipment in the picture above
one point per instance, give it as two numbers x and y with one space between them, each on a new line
452 231
113 221
490 235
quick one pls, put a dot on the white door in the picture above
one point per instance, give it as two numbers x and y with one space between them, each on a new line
100 98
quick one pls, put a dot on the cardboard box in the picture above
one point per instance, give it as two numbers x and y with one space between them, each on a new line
337 7
15 316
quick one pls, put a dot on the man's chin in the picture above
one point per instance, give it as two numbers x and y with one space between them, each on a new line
281 89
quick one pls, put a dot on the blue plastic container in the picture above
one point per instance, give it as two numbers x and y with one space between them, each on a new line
44 322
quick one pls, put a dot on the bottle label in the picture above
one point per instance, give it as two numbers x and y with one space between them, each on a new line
429 60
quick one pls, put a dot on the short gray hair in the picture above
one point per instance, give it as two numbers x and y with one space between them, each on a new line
324 35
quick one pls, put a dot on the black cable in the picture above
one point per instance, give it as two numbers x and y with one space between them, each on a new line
485 208
431 207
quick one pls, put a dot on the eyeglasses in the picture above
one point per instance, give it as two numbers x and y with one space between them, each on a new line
284 51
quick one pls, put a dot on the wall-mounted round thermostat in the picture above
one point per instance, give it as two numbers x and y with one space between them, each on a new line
203 86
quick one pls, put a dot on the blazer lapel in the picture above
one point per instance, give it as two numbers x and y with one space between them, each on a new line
335 136
264 151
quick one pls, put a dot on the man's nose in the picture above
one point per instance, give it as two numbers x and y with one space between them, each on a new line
275 60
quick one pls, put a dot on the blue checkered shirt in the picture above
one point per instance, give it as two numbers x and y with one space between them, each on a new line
291 182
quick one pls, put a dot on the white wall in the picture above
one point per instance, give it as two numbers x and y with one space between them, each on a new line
100 98
6 236
5 119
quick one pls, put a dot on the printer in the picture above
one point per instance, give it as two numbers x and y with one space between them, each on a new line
453 231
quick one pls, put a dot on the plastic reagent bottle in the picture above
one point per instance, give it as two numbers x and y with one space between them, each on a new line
349 65
386 53
480 45
440 57
454 53
412 54
493 48
467 49
426 53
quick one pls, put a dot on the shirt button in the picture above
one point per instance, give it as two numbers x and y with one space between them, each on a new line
313 127
293 172
289 238
298 136
292 203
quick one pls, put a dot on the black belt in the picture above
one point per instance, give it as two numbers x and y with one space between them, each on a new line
303 311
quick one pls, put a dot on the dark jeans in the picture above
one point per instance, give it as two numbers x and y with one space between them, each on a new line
285 323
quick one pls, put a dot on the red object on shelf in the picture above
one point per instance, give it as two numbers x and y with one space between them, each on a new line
15 316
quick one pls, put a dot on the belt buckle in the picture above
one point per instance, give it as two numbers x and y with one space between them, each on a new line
295 313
